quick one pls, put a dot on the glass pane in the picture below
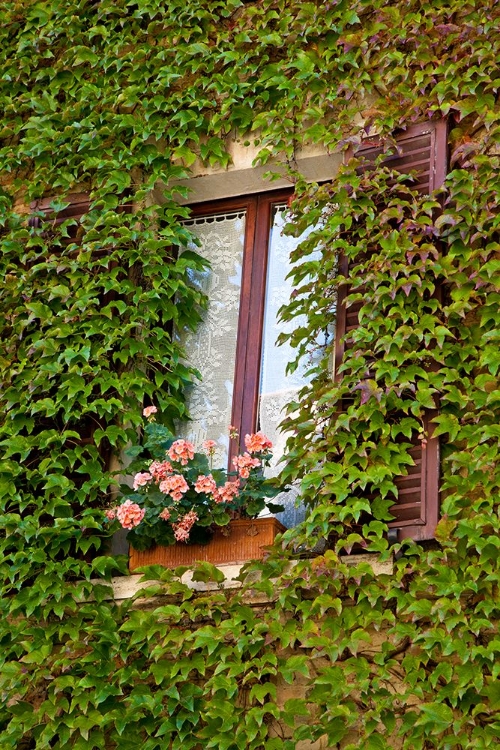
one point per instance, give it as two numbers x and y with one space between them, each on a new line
211 349
278 293
277 389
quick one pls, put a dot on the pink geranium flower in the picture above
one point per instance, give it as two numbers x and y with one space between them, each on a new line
243 464
182 451
175 486
184 526
160 470
227 492
181 534
141 479
257 443
129 514
209 447
205 484
149 411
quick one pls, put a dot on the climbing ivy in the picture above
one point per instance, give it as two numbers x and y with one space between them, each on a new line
118 99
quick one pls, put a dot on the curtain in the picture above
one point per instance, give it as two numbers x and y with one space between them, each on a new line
211 349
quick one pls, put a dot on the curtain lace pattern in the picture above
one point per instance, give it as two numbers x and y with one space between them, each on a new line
211 349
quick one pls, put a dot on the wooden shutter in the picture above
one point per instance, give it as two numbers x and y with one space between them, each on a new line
416 509
421 152
78 205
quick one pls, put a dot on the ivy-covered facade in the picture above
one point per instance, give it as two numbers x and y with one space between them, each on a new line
108 108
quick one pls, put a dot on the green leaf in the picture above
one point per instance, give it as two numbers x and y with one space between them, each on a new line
435 717
293 665
207 572
260 692
161 671
85 55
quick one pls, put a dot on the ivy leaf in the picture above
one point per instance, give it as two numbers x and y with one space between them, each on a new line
435 717
293 665
207 572
375 742
260 692
162 671
84 55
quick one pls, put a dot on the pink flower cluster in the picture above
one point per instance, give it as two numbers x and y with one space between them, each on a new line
168 476
160 470
182 451
209 447
149 411
205 484
130 514
257 443
175 486
227 493
244 463
224 494
141 479
184 526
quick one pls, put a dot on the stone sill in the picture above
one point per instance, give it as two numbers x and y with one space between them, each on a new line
125 587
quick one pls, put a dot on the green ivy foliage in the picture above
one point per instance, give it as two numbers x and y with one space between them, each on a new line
116 98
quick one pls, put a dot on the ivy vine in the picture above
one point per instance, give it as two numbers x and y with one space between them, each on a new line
118 99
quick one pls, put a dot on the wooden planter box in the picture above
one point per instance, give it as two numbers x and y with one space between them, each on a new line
239 541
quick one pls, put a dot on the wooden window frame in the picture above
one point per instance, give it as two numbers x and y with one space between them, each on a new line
258 224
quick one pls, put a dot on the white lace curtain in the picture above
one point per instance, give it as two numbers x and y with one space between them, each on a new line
211 349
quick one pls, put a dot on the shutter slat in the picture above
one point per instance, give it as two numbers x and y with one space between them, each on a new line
78 206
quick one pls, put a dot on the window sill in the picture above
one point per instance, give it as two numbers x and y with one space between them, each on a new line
126 587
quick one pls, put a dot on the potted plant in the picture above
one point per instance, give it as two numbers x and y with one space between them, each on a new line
183 509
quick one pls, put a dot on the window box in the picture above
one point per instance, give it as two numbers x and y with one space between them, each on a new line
241 540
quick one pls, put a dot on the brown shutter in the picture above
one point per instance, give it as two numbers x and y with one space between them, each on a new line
421 151
417 507
78 205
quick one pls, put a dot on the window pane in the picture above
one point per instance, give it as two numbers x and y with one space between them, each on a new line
277 388
211 349
278 293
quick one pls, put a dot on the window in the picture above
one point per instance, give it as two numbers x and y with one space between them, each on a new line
244 380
